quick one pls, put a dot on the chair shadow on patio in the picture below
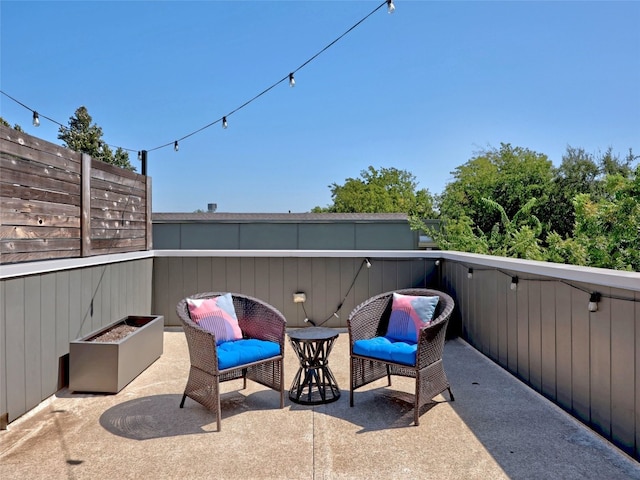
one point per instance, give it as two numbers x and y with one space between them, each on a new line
378 408
158 416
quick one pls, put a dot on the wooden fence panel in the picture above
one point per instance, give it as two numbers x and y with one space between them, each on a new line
57 203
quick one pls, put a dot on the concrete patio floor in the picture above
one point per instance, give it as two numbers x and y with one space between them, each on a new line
496 428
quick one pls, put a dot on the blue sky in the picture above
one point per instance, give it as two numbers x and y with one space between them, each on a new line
422 90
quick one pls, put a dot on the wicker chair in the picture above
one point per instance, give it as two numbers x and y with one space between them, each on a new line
256 319
370 319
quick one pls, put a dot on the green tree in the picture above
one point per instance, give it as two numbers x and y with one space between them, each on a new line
387 190
578 173
608 228
16 127
510 176
83 136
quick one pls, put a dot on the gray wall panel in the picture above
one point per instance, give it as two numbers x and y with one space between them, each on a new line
261 289
637 379
623 368
269 236
247 276
32 338
292 312
327 236
15 344
548 338
3 354
190 282
600 367
512 333
75 307
86 285
502 324
275 279
586 362
232 235
207 236
233 276
219 276
49 357
535 336
370 236
204 275
62 312
564 356
523 333
166 236
580 342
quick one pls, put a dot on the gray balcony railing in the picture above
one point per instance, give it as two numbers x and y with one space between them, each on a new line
542 331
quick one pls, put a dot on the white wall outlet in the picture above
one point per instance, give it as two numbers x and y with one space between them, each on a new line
299 297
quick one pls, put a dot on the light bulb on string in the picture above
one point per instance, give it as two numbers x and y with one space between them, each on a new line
594 299
36 119
292 81
224 122
390 6
175 146
139 155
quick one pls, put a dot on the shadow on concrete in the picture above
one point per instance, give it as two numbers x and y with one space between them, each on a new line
159 416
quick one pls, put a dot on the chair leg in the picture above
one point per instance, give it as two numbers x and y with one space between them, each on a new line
451 395
219 413
184 397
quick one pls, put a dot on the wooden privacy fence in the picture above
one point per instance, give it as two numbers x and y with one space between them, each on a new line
57 203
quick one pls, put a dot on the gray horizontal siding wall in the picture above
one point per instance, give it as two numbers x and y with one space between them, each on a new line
586 362
41 314
285 236
275 279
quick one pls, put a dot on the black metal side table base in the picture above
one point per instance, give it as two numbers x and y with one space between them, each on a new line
314 383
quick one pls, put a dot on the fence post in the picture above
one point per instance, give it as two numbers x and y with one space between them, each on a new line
85 206
149 224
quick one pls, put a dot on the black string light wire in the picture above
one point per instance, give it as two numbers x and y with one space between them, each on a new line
37 116
366 262
223 120
594 296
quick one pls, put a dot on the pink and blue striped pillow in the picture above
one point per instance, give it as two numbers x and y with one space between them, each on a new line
216 315
409 314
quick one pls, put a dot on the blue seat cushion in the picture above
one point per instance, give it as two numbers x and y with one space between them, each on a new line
240 352
387 349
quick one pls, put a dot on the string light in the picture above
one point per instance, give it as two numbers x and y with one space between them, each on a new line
470 273
289 77
139 155
594 299
367 262
514 283
390 6
36 119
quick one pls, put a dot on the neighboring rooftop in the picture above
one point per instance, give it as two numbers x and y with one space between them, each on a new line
277 217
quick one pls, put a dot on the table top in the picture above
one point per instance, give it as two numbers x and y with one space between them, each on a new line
312 334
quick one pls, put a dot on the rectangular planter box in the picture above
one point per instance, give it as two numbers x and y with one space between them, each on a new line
107 367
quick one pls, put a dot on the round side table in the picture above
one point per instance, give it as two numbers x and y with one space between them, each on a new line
314 383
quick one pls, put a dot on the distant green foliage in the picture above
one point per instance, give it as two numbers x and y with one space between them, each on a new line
16 127
512 202
82 136
388 190
608 228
